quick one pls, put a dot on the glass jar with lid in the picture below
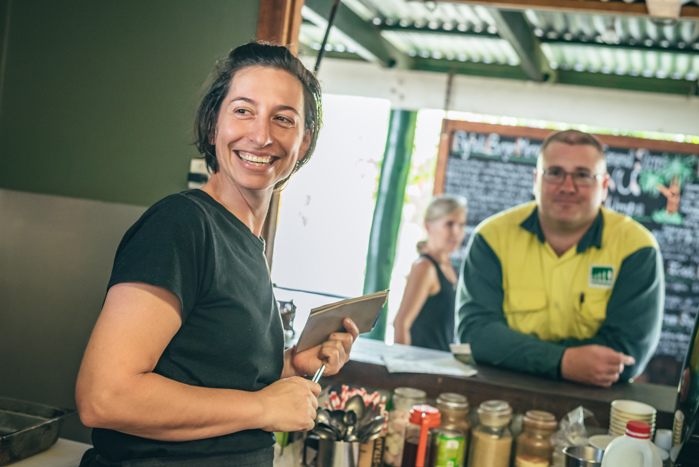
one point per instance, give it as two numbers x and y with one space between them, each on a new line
491 439
533 447
398 417
450 440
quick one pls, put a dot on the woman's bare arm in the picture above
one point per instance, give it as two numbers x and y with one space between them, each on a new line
422 283
117 389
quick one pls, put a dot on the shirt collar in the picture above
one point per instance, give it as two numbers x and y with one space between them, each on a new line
593 236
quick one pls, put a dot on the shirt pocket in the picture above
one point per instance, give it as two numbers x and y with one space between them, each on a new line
526 310
592 311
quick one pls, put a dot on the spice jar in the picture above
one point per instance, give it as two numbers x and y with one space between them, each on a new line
398 416
420 435
533 446
491 440
450 441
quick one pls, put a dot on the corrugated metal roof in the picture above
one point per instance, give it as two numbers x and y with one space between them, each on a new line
570 42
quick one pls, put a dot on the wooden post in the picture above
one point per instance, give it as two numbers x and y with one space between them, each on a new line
278 22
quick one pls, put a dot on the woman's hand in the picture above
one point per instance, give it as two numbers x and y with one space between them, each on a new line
290 404
293 401
334 353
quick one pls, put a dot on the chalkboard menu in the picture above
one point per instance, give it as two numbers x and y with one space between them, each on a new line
654 182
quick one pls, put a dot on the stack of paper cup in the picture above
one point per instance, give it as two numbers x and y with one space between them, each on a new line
626 410
677 425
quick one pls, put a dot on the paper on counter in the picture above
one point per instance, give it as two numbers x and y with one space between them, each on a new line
405 363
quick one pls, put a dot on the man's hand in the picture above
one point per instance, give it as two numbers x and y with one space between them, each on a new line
595 365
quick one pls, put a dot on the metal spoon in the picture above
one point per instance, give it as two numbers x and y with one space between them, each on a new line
325 432
371 435
356 405
337 421
350 420
373 427
323 419
370 412
322 416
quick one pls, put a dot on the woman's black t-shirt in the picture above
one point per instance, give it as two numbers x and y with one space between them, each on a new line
231 334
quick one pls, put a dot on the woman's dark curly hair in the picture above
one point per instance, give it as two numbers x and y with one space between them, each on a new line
255 54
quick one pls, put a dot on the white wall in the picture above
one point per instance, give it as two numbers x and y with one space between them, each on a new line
624 110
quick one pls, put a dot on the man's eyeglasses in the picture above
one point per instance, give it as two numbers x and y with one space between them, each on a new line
556 176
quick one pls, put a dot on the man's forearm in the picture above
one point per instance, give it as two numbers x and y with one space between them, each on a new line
634 311
494 343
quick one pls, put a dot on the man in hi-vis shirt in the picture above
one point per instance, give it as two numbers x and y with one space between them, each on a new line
562 287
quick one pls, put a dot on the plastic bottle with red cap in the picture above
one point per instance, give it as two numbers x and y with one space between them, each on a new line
419 435
634 449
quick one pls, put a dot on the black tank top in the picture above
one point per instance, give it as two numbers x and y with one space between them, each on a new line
434 326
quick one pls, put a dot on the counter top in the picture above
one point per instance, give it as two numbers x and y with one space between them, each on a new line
64 453
522 391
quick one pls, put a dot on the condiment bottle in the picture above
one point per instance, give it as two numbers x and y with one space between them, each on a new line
403 400
491 439
419 436
533 447
634 449
450 442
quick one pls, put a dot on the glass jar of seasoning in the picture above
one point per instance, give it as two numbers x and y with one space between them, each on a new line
420 435
533 447
450 441
398 417
491 439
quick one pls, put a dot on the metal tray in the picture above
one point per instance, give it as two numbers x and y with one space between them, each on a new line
27 428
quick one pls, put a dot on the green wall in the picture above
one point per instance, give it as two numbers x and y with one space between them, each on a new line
98 96
96 105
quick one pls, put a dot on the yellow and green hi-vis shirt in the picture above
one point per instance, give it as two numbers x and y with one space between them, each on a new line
521 305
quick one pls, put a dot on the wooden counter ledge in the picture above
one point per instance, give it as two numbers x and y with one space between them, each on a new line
523 392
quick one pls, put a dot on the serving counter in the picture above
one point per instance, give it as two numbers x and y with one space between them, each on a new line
65 453
366 368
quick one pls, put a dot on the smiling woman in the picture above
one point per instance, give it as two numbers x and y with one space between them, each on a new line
206 121
259 138
186 363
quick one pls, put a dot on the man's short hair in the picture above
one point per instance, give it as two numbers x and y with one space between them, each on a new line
574 138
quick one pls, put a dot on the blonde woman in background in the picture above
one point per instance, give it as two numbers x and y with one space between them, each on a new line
426 315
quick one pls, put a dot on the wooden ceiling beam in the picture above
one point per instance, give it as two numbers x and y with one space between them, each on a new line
628 83
513 27
488 70
575 6
365 37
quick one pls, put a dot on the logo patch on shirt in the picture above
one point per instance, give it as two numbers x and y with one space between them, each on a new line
601 277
